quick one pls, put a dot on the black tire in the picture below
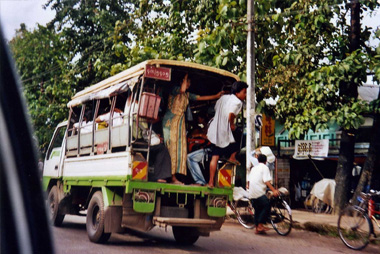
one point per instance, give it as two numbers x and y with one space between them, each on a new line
354 228
245 214
281 217
95 219
55 217
185 235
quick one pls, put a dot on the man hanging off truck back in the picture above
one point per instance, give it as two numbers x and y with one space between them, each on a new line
220 131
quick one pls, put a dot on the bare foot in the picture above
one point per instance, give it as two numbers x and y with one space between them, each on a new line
161 181
236 162
210 186
177 182
233 157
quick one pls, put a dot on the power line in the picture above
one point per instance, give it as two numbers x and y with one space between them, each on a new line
56 67
49 81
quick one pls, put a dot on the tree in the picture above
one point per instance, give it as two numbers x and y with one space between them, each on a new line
374 146
57 60
316 73
208 32
87 29
303 58
348 90
43 68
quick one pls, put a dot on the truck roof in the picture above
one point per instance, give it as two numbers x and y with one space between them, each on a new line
132 74
64 123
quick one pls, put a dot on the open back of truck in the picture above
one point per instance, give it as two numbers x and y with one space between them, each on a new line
108 170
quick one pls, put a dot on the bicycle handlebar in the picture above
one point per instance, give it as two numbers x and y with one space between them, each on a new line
372 193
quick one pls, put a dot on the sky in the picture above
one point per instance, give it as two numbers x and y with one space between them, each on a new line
15 12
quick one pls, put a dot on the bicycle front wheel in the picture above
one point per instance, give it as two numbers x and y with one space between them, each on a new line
245 213
281 218
354 228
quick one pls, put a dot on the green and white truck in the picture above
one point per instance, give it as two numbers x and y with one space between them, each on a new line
106 171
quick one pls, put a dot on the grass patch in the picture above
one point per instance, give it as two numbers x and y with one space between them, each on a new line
322 229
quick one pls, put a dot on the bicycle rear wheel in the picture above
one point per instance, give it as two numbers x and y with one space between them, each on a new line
245 213
354 228
281 217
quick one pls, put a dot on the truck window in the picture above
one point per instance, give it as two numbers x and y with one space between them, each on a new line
57 143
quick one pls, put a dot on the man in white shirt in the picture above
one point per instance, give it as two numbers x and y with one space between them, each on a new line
117 118
258 180
223 124
86 126
270 158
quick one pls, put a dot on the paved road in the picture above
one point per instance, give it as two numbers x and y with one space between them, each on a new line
233 238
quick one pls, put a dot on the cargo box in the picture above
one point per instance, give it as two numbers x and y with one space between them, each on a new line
150 104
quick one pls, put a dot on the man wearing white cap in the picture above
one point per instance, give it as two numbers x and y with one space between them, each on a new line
268 153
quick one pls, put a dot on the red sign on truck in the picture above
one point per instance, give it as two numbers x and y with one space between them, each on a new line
161 73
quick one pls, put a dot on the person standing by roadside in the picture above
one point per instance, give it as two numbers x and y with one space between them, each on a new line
258 180
220 131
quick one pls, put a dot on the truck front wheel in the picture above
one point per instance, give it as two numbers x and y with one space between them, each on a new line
54 216
185 235
95 219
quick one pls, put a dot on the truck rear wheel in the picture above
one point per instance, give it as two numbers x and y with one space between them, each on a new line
185 235
55 217
95 219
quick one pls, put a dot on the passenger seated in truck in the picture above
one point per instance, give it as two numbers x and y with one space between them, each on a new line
86 125
159 154
103 120
200 149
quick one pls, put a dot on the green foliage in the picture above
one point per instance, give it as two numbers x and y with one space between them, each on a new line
43 68
86 29
313 75
75 50
302 54
209 32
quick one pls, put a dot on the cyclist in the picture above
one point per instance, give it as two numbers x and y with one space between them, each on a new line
258 180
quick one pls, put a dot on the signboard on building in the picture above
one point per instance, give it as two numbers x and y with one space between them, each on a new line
314 148
267 131
161 73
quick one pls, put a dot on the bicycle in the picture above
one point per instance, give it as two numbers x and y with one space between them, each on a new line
280 214
355 223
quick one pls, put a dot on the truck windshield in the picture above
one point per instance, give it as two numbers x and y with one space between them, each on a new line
58 138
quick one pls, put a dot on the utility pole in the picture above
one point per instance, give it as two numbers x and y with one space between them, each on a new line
251 96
